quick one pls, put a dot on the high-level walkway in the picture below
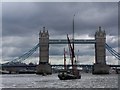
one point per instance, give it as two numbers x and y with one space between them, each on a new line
76 41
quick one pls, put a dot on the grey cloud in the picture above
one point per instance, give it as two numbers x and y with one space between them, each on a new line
14 46
59 16
27 19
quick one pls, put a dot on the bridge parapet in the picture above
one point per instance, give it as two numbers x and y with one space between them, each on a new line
76 41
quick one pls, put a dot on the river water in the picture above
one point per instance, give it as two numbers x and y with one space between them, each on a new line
52 81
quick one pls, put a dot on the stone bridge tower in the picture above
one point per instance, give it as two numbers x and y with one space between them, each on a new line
100 66
44 66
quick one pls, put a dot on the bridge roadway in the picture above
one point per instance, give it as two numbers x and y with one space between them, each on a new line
82 65
76 41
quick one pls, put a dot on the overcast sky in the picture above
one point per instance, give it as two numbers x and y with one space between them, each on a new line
21 23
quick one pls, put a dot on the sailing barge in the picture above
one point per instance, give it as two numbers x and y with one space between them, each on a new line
74 73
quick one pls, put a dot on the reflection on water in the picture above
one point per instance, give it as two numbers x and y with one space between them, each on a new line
51 81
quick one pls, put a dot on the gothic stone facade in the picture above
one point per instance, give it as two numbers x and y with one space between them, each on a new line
44 66
100 66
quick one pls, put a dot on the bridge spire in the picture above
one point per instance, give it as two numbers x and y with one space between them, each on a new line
99 29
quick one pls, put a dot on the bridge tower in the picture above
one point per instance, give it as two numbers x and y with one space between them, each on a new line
44 66
100 66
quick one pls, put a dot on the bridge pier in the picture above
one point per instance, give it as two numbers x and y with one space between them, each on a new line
100 69
44 67
100 66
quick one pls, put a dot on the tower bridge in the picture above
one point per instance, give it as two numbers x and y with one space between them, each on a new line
99 67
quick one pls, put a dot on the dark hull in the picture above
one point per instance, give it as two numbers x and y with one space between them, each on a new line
118 71
68 76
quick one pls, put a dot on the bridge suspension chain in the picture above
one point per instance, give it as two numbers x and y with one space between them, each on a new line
112 51
31 51
26 55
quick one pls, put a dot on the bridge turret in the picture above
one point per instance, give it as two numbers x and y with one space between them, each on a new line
44 46
44 66
100 33
100 52
100 66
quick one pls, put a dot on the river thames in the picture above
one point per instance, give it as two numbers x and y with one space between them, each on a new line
52 81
